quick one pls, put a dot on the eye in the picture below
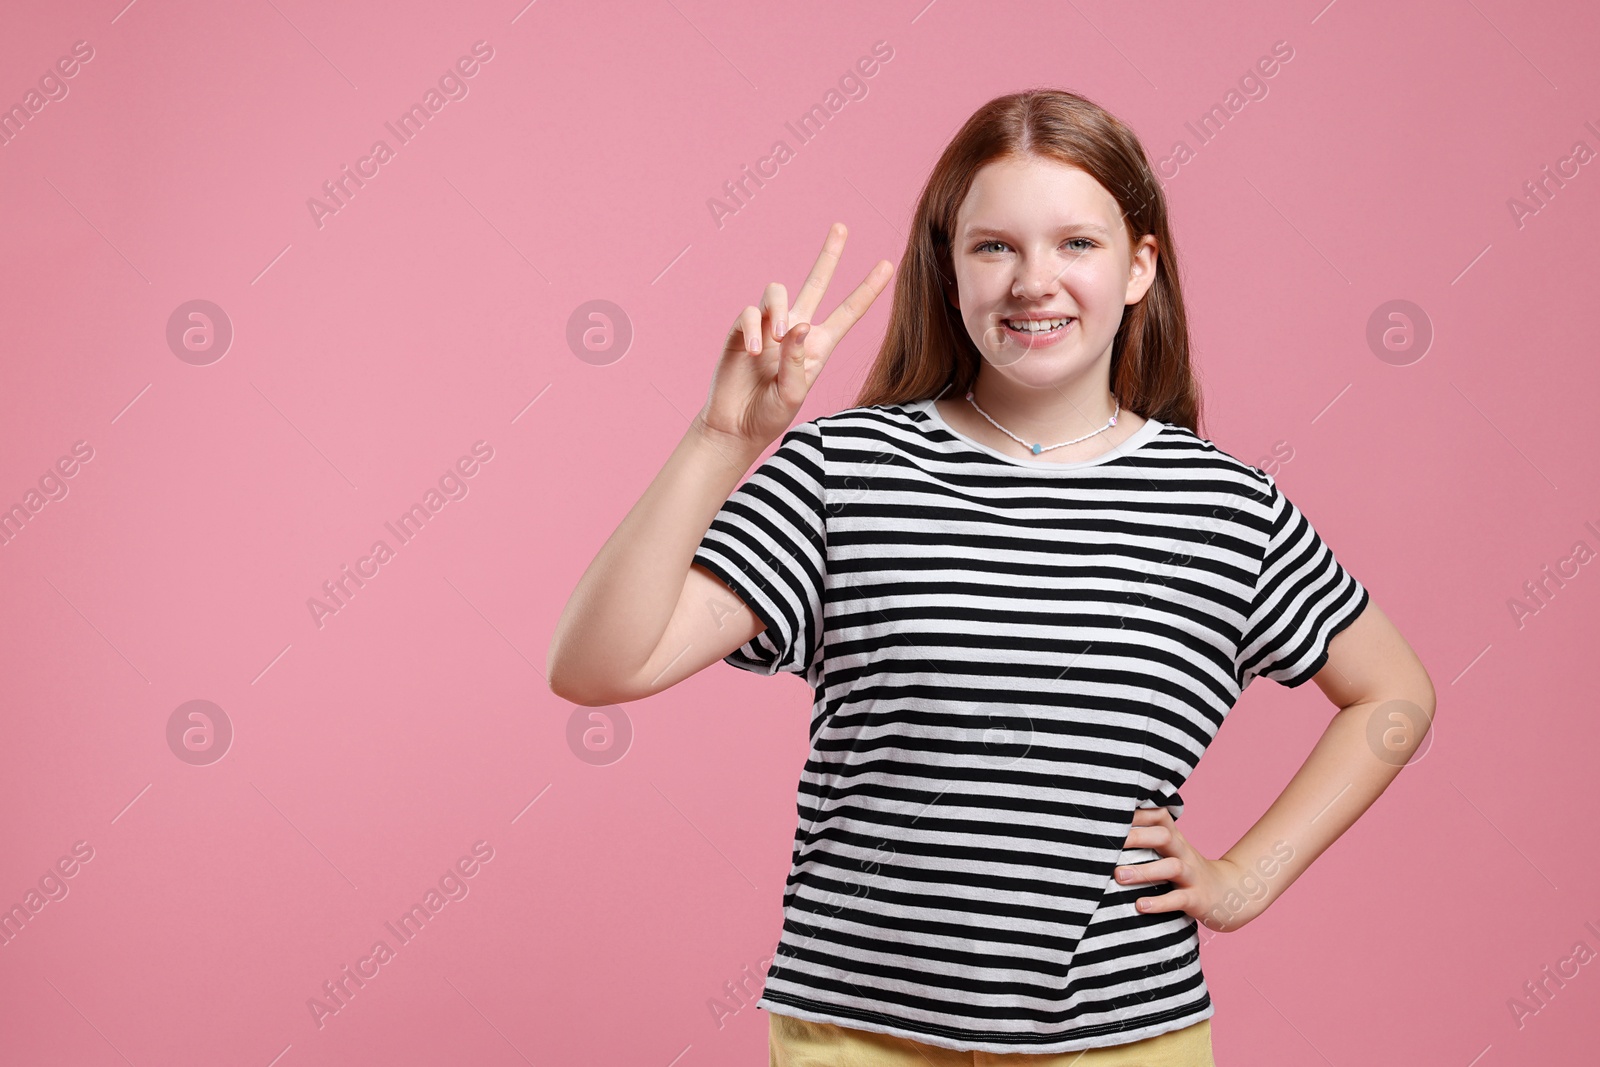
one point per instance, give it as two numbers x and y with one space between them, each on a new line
1086 242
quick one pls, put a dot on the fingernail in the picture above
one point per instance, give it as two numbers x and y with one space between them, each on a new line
777 329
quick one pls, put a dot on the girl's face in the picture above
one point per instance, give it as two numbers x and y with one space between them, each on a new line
1037 239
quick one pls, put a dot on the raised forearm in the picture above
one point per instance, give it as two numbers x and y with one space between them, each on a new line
625 599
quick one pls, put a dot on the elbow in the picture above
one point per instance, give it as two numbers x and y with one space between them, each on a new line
589 684
563 687
558 676
560 680
589 698
1425 694
577 690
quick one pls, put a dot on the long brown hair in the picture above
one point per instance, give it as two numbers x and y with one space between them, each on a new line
924 354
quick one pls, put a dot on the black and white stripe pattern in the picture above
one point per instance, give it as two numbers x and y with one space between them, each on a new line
1008 657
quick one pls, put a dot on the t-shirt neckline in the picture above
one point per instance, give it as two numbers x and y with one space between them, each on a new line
1142 436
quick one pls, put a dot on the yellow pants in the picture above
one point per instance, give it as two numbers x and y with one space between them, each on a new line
795 1042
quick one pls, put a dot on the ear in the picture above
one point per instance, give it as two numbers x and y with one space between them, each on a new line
1142 269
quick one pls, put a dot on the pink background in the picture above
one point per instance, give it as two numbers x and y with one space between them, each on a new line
434 311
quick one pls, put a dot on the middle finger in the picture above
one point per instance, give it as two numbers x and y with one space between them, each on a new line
816 282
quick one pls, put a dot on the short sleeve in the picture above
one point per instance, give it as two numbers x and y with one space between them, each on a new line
768 543
1303 597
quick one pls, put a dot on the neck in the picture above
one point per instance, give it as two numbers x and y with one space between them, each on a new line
1050 414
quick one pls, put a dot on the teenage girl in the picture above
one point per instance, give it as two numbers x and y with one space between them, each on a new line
1025 592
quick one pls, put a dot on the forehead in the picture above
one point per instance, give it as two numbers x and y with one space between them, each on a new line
1031 193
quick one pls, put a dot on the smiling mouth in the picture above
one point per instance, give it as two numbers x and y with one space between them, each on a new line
1029 334
1037 325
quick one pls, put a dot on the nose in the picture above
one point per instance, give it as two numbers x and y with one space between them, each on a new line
1036 279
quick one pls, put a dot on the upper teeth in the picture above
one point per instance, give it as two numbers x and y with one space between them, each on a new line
1036 325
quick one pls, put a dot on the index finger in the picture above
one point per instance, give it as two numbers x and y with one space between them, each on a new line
816 283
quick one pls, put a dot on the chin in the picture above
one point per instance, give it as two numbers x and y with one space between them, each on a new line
1036 372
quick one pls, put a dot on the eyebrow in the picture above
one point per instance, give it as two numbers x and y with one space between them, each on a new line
1081 227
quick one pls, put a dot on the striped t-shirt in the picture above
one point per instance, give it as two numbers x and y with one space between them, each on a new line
1008 656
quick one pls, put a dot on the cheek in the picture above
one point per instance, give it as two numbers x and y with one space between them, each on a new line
981 288
977 326
1097 293
978 294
